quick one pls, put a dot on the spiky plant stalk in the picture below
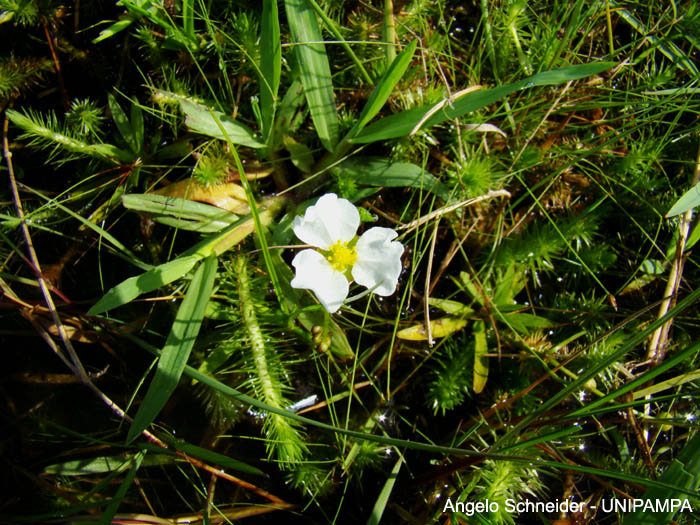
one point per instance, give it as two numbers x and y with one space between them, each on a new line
282 436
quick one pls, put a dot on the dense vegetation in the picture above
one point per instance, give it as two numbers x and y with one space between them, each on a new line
534 159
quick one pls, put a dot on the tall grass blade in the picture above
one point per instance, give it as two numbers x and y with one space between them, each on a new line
116 501
177 347
401 124
314 70
153 279
383 498
270 66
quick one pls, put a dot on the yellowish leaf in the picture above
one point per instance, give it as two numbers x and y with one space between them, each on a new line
481 361
227 196
439 328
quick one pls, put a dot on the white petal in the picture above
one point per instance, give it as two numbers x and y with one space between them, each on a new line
328 221
315 273
378 260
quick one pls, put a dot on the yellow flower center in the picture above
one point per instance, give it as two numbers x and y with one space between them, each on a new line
341 256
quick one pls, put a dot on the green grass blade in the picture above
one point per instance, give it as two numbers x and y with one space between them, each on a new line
689 200
200 118
314 69
215 458
153 279
603 364
112 30
384 87
113 506
383 497
415 445
401 124
177 347
270 66
333 29
188 18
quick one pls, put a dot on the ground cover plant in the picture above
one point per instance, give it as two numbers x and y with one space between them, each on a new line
325 261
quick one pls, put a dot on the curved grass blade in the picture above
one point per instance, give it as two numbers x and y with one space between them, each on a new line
383 497
314 69
177 347
402 124
130 289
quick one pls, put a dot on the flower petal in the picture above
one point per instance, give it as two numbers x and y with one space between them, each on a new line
378 260
314 273
328 221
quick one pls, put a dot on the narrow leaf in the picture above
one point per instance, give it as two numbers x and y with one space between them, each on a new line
481 362
113 506
438 328
177 347
314 70
384 495
123 124
153 279
401 124
689 200
385 86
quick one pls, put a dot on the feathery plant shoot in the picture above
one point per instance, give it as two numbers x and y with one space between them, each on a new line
332 262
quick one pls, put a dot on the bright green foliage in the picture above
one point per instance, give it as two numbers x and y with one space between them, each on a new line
526 153
18 75
451 376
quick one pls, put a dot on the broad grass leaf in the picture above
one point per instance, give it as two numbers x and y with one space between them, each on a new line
200 118
177 347
451 307
377 171
314 70
401 124
689 200
153 279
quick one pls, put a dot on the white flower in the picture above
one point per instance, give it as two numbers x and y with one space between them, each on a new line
372 260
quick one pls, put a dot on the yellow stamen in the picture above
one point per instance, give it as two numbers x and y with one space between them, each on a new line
341 256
